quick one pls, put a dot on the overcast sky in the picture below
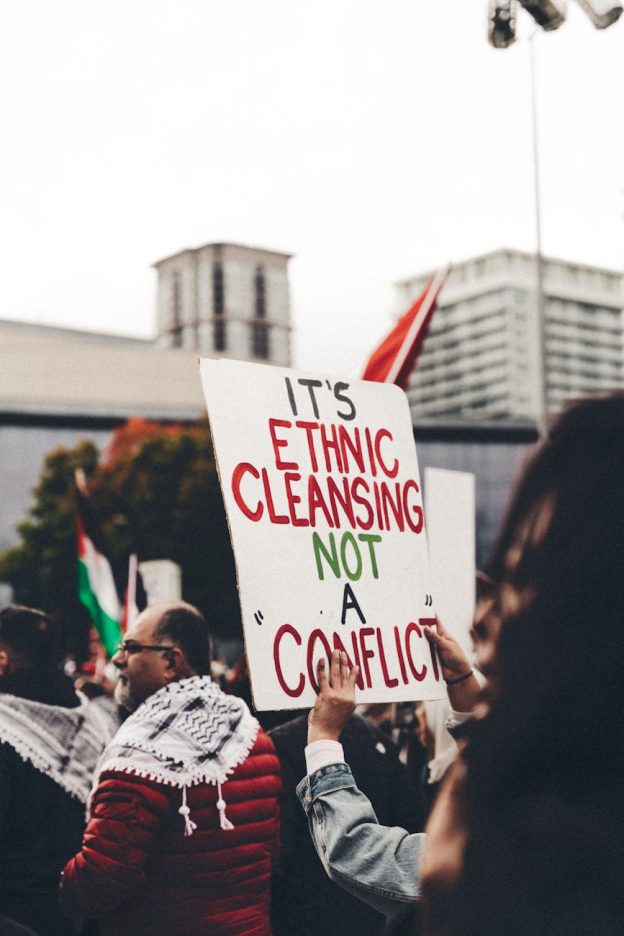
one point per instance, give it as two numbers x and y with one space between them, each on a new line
371 140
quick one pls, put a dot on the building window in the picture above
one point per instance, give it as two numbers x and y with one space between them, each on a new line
260 292
218 292
260 340
219 334
176 310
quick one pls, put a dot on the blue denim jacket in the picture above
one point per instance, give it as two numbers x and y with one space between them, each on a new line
378 864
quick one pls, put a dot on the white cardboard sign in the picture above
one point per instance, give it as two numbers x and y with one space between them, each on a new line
450 513
322 492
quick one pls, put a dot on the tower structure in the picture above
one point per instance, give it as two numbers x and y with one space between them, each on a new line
225 299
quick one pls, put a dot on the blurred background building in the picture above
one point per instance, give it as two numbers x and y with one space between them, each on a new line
225 299
482 356
60 385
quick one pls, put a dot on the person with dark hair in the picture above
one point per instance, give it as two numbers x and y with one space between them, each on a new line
184 814
538 797
50 741
527 835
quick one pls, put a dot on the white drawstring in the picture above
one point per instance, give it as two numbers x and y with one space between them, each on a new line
184 810
225 823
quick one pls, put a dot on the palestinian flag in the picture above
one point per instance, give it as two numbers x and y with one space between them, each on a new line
96 586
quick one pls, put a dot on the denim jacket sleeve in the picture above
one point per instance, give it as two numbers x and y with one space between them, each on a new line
378 864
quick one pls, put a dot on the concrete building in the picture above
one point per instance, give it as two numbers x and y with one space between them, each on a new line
225 300
481 359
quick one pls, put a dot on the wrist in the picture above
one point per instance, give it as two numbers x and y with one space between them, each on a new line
454 680
322 734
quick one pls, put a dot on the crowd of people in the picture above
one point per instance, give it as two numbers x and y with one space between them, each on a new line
499 811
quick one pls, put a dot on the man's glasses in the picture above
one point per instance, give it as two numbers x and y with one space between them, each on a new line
131 647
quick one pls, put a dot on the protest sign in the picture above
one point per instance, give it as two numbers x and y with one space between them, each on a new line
322 492
450 513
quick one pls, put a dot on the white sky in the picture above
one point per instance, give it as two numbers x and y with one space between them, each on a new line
371 140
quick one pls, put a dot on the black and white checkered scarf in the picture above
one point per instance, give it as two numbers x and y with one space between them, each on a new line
186 733
189 732
62 743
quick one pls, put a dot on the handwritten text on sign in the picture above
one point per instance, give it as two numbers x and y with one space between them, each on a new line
322 492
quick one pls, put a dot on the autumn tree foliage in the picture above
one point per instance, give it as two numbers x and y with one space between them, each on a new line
155 492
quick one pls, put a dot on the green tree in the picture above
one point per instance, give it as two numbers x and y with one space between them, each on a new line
155 492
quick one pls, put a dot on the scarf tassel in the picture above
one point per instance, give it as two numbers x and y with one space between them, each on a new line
224 822
184 810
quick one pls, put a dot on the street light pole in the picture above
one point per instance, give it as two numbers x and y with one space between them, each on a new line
540 303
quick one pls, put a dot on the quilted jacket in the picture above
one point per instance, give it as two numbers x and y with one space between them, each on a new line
138 874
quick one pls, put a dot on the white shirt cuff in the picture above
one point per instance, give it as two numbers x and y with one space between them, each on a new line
321 753
457 718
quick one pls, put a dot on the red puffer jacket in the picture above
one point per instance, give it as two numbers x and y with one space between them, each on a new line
140 876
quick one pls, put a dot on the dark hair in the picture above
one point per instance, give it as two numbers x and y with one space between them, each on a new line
186 626
545 805
31 635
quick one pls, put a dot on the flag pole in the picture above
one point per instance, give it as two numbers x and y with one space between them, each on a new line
431 295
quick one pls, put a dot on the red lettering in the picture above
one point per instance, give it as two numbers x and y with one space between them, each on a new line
317 502
417 525
329 446
273 516
287 629
431 622
411 628
343 499
309 429
314 636
371 454
366 653
390 472
386 498
281 443
397 640
354 447
370 517
237 474
294 499
390 683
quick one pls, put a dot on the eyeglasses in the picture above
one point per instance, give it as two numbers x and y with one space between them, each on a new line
131 647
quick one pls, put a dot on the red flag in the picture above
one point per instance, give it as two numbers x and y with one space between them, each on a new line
395 358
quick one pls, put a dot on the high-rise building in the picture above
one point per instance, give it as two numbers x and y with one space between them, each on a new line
225 299
482 358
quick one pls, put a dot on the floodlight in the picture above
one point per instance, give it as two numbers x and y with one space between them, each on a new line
502 23
601 14
549 14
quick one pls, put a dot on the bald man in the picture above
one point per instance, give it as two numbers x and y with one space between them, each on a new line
183 820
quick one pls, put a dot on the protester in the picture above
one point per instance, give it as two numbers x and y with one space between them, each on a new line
300 885
50 743
527 835
380 865
538 796
183 819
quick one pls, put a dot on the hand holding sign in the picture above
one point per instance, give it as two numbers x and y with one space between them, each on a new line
463 689
335 702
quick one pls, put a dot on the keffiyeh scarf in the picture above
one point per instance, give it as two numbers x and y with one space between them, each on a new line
62 743
189 732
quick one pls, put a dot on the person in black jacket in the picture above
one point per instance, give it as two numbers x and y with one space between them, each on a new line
302 893
49 744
